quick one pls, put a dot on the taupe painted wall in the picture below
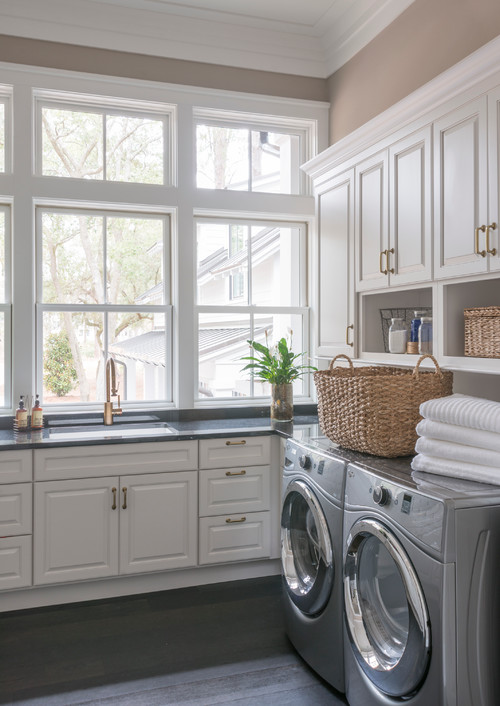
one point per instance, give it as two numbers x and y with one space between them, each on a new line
189 73
425 40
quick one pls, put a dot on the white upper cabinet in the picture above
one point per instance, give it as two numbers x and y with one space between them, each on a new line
493 245
393 227
410 225
372 237
335 248
460 191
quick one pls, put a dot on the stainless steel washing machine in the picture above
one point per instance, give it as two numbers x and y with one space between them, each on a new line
311 553
422 603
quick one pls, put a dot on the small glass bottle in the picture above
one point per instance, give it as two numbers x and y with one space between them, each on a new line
425 335
21 418
397 336
415 325
37 415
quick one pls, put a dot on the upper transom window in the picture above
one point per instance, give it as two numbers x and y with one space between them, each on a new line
86 141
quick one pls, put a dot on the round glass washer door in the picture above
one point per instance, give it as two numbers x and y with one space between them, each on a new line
385 609
306 549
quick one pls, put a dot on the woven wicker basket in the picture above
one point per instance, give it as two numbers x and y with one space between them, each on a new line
376 409
482 331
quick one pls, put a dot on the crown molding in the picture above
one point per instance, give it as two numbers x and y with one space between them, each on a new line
172 30
480 71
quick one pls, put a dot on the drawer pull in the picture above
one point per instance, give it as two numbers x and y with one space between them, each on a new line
477 251
237 473
124 506
230 521
113 506
236 443
491 251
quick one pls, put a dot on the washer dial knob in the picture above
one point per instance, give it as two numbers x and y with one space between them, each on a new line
381 495
305 462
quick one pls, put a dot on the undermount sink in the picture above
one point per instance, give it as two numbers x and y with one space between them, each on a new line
100 431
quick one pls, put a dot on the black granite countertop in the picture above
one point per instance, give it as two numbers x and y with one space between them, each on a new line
90 432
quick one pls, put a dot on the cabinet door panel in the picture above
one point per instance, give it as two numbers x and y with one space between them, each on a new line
15 562
410 190
76 530
16 466
231 452
335 206
15 509
158 526
460 196
371 221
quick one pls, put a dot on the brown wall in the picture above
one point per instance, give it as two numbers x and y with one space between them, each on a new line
425 40
140 66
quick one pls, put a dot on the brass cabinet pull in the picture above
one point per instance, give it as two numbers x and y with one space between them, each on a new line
391 251
476 241
113 506
347 342
236 443
493 226
237 473
230 521
380 266
124 506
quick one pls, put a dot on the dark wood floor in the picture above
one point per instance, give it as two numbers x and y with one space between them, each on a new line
220 644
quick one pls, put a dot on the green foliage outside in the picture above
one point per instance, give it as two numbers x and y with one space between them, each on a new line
60 373
276 365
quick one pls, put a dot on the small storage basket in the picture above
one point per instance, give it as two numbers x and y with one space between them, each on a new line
375 409
482 332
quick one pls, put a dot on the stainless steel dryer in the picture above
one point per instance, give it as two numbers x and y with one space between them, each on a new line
311 553
422 604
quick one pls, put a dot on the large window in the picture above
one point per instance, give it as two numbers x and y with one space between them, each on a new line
102 293
266 259
157 225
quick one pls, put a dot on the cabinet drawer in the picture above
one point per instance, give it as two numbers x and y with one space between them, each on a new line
116 459
231 452
15 562
234 537
15 509
234 490
16 466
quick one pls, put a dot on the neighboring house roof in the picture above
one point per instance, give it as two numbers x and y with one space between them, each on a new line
147 348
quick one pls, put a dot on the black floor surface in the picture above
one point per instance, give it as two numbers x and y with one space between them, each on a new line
219 644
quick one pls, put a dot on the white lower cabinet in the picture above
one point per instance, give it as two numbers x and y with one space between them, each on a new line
15 562
94 528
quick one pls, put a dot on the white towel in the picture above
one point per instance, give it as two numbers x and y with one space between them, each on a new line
460 435
457 452
465 411
456 469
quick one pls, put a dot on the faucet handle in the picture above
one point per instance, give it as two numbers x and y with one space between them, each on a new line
118 410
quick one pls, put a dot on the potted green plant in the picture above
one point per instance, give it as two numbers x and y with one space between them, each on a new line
279 366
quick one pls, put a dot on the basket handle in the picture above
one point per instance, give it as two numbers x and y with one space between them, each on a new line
427 355
341 355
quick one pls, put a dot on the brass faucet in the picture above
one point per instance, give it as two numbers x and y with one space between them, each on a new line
111 391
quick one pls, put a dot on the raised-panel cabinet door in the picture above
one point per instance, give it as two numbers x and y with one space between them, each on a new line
335 295
460 191
410 208
373 259
493 244
75 530
158 521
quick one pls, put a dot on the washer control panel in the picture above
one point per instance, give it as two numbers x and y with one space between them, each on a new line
415 512
327 472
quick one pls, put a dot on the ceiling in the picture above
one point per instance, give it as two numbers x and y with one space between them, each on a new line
302 37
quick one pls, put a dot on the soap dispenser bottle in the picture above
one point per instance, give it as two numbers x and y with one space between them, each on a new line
37 415
21 418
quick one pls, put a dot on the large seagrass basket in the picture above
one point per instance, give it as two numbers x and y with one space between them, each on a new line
375 409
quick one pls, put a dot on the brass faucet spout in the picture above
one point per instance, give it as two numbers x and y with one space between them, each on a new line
111 391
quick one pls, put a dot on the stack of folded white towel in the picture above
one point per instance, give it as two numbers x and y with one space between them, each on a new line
459 436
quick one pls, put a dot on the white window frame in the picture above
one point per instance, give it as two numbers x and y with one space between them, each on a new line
164 113
252 310
104 308
6 308
304 129
6 101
